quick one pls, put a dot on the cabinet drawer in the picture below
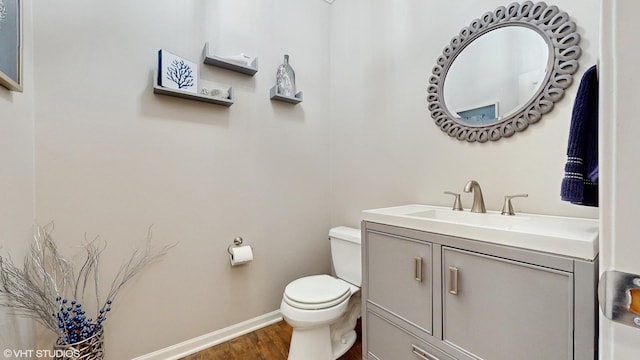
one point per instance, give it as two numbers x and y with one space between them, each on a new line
399 274
500 309
387 341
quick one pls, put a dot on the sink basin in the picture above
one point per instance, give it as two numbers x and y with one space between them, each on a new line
575 237
469 218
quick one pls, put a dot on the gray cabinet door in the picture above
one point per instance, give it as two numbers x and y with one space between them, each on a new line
388 341
498 309
400 277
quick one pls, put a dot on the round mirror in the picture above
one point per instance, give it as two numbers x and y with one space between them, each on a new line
503 72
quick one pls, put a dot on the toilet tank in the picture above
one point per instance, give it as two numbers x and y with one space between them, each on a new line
346 254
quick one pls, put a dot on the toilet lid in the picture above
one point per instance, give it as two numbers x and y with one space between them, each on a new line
316 292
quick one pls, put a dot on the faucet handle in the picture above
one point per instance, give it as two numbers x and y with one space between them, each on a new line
457 204
507 208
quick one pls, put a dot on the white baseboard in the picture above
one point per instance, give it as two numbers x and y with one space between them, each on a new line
202 342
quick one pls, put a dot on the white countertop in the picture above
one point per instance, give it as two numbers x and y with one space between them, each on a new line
575 237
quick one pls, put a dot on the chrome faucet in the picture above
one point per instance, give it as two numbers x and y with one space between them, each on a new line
478 200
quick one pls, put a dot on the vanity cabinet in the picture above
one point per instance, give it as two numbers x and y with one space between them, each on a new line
475 300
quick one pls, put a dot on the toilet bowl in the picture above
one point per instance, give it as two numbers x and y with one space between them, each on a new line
322 309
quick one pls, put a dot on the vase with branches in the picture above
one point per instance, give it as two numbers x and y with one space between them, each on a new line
51 289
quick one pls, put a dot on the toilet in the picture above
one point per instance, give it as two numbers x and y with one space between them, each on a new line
322 309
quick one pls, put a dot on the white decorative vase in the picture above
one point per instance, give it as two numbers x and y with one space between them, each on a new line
286 79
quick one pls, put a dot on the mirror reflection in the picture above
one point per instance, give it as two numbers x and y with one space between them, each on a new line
495 75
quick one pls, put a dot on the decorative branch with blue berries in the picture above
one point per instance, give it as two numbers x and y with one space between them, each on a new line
48 289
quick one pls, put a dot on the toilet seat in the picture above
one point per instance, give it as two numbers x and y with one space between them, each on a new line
316 292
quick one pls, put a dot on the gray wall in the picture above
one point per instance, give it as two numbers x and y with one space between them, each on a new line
113 158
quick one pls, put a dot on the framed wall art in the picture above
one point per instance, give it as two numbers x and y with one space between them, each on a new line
480 115
11 44
177 73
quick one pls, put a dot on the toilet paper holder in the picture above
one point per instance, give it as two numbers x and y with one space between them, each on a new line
239 254
236 242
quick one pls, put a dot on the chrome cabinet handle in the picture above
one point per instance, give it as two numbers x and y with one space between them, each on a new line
422 354
453 280
417 268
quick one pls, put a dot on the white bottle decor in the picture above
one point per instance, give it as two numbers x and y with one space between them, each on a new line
286 79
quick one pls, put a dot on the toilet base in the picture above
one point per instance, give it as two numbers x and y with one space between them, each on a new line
340 348
311 344
315 344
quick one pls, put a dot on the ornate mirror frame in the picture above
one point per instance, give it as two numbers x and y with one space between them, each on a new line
560 34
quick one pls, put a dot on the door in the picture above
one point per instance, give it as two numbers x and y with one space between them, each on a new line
399 277
500 309
619 76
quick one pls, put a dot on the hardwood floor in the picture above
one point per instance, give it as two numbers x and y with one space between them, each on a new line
269 343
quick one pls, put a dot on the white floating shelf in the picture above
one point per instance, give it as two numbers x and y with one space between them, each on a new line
290 99
214 60
157 89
